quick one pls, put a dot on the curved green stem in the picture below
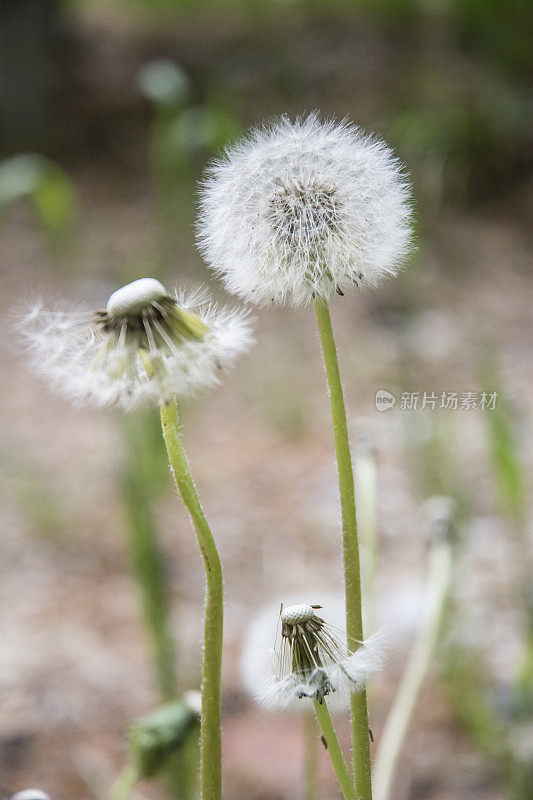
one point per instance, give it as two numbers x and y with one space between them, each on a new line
393 736
210 733
335 753
350 545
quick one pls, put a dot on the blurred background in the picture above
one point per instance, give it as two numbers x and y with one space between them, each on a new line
109 113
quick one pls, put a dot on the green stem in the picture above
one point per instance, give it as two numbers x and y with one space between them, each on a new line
125 782
350 546
335 753
396 726
311 782
210 732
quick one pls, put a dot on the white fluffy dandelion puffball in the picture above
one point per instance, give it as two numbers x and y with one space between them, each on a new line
145 346
304 209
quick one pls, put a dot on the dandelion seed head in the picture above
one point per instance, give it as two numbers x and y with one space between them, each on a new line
297 614
304 208
310 659
146 345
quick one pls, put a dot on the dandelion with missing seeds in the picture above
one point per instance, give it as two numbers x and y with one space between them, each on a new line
297 213
145 345
312 661
148 346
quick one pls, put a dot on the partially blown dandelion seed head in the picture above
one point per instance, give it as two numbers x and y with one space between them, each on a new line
304 209
312 661
144 346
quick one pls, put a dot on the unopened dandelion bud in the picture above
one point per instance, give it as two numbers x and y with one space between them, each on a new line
155 737
312 661
144 346
305 209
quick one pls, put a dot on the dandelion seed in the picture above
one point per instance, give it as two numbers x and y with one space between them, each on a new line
304 209
144 346
311 660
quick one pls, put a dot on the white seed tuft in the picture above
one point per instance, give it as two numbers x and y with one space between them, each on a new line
145 346
304 209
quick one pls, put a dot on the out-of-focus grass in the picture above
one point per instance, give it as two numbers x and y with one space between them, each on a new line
509 474
507 463
141 485
472 695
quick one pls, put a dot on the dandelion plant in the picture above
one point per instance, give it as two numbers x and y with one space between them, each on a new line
312 662
295 214
150 347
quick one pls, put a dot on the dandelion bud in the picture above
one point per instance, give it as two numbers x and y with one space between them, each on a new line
155 737
304 209
144 346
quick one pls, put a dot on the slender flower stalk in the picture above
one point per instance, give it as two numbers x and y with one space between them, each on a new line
210 730
437 586
311 787
350 545
335 753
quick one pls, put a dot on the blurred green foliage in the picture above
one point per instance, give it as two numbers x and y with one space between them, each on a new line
506 459
510 480
48 188
446 82
182 136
